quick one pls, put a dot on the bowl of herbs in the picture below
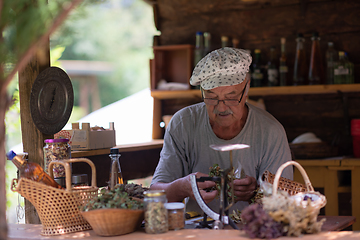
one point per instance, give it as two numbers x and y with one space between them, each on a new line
113 212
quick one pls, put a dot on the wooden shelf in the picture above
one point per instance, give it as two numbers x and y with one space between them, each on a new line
156 143
264 91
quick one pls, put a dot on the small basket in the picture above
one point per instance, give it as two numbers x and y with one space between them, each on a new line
317 199
114 221
284 184
59 209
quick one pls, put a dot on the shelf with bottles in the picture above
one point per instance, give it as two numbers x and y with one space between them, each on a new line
263 91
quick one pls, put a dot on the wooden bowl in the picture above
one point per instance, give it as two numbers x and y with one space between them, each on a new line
114 221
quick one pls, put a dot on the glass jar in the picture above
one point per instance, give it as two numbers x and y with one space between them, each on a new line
56 149
156 215
176 215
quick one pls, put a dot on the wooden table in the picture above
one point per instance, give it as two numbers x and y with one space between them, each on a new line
32 231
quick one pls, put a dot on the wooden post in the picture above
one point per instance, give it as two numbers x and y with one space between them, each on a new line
32 138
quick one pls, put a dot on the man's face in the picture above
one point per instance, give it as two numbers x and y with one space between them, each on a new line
221 114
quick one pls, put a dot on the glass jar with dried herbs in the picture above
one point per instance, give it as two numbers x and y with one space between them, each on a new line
156 215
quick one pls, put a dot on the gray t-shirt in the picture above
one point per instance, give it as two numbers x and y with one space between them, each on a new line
188 137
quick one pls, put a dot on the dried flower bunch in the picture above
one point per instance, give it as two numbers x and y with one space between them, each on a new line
281 215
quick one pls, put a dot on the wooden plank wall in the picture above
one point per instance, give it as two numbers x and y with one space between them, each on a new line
261 24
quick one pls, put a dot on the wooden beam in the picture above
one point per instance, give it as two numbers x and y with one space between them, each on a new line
32 138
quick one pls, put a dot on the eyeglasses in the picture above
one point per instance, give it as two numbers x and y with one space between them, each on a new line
227 102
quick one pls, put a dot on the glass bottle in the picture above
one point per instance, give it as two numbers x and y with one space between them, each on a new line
156 214
31 170
350 65
316 70
224 41
257 75
272 70
207 43
331 59
115 169
300 66
235 43
56 149
283 69
199 47
343 70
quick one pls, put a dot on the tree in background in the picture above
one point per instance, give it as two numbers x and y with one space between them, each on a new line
115 31
25 26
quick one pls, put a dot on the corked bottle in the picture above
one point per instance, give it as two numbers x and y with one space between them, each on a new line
31 170
316 70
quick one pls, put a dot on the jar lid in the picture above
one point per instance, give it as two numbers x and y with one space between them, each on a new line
56 140
79 178
174 205
154 193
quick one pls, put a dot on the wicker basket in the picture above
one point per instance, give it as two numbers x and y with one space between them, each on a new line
284 184
112 222
317 199
58 209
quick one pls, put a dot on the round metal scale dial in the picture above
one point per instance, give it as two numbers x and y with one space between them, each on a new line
51 100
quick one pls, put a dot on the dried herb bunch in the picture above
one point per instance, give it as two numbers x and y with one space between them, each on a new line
216 171
132 189
112 199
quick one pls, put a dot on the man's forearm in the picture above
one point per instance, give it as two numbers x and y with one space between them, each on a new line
176 191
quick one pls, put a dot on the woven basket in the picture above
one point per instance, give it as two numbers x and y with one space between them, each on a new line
318 200
58 209
112 222
284 184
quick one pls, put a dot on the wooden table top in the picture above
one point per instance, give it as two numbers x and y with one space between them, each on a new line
32 231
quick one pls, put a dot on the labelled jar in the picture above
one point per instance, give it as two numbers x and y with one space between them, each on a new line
156 215
176 215
56 149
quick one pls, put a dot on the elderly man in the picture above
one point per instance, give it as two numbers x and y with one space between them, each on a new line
223 118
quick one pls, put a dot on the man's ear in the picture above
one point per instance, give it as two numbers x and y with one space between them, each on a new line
247 88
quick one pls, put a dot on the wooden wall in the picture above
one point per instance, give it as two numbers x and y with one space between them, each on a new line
261 24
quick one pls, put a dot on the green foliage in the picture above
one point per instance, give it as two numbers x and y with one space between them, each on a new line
115 31
22 22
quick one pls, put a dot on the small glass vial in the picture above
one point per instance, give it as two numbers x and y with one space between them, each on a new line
56 149
115 169
176 215
156 215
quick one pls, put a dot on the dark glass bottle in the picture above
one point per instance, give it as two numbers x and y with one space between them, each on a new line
331 59
224 41
31 170
207 43
300 66
199 47
257 74
283 69
272 69
316 70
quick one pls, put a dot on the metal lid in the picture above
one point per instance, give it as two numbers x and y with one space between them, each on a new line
79 178
174 205
154 193
57 140
114 151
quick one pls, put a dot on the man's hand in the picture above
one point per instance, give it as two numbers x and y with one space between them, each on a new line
206 195
244 188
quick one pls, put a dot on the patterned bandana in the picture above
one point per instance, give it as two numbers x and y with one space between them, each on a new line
222 67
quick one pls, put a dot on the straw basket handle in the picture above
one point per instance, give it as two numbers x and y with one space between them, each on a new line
66 164
302 171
